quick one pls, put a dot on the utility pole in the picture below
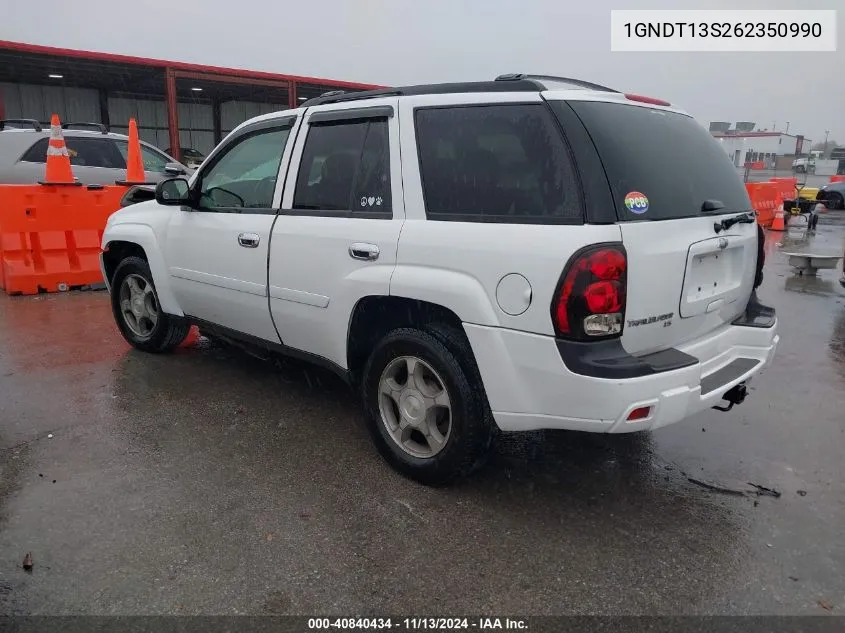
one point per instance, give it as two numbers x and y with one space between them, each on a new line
787 128
826 133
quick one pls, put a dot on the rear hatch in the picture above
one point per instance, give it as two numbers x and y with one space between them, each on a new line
676 191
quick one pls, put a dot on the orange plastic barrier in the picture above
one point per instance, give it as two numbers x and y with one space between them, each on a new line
50 235
837 179
786 188
765 200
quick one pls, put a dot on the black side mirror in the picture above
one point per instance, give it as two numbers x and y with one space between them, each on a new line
174 168
173 192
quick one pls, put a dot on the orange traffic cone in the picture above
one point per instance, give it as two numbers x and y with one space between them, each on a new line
192 338
59 171
778 223
134 165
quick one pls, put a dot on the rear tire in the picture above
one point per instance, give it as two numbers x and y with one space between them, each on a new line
410 369
137 312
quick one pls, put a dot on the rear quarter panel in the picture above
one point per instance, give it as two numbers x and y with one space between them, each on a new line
460 265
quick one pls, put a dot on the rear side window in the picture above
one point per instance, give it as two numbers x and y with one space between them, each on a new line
345 166
496 163
37 153
661 165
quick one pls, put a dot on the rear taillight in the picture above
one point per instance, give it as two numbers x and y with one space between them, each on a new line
590 300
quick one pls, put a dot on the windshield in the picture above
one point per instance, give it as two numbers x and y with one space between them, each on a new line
661 165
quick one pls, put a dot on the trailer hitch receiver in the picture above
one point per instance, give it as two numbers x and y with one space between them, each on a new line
735 395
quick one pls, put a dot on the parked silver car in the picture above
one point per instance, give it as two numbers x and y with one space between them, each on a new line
98 157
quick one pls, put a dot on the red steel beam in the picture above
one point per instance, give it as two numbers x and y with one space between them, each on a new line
172 112
180 66
291 95
228 79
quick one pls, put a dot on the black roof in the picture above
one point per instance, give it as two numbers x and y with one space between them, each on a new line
515 82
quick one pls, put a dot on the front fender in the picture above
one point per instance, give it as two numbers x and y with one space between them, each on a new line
143 236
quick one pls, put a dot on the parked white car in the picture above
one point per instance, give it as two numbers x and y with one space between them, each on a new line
527 253
97 156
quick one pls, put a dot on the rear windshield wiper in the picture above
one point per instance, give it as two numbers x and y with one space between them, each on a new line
742 218
708 206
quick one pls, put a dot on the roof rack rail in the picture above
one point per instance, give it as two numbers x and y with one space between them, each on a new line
337 96
539 79
31 122
99 126
517 83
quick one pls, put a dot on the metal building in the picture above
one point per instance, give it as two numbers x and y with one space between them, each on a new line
775 149
177 105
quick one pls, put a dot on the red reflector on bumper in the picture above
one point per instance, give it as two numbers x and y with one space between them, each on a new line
639 414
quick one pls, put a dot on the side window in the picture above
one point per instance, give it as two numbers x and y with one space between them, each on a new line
345 166
90 152
37 153
83 152
153 160
244 175
497 163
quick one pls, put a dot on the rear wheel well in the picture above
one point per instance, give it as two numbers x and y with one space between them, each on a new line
374 317
117 252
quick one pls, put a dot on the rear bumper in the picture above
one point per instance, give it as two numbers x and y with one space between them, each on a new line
530 387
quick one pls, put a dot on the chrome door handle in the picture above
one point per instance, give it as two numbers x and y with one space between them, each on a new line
248 240
367 252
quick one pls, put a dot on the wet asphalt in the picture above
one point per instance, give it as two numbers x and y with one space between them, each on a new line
209 482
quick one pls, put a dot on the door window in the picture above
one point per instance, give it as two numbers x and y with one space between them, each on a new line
153 160
345 167
83 152
244 175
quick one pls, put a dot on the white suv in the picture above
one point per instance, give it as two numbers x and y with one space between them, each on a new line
526 253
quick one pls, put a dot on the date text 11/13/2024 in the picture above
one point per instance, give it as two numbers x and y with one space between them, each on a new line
417 623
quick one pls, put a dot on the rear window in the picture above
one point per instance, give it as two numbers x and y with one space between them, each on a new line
661 165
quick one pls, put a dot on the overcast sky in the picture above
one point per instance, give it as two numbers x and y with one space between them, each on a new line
394 42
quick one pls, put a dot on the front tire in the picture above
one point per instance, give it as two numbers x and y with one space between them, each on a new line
425 405
137 312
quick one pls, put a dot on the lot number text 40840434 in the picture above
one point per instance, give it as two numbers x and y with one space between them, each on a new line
418 624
